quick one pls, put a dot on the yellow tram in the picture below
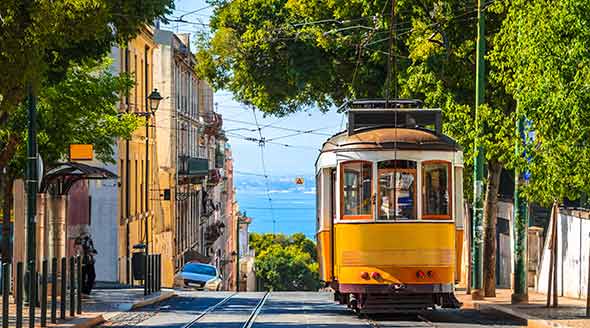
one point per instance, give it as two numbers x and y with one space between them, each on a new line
390 209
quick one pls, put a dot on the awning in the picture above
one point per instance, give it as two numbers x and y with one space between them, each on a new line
65 175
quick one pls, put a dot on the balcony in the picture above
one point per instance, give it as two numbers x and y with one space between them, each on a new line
193 167
219 159
213 232
213 123
214 177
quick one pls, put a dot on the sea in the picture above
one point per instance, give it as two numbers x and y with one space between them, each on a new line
291 206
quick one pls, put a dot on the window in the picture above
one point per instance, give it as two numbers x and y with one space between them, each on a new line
357 182
318 203
436 190
397 190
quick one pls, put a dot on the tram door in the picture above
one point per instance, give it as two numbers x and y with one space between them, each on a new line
333 194
397 190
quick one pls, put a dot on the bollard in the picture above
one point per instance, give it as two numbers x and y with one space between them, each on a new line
33 284
19 295
44 281
54 290
147 275
5 293
158 271
72 287
79 285
32 288
64 281
152 272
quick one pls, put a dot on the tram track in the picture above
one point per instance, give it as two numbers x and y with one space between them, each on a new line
416 320
248 323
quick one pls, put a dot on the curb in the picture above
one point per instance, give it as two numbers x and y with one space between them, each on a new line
531 321
82 322
162 297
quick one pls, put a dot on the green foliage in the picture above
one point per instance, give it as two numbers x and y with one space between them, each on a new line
543 58
283 56
79 109
40 40
286 263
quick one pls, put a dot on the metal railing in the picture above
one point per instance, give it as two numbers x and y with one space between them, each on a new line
60 286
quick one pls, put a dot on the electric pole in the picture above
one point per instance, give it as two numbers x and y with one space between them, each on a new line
477 222
32 203
238 218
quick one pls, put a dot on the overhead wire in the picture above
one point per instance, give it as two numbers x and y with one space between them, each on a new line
267 180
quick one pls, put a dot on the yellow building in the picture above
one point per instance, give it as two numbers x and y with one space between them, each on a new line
135 207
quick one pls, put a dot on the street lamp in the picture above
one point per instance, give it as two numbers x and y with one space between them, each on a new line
154 99
154 102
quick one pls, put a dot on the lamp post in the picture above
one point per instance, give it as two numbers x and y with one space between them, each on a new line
154 101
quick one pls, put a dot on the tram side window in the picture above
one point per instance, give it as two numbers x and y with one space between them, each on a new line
357 181
436 190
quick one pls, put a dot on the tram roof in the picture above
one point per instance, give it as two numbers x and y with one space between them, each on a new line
389 138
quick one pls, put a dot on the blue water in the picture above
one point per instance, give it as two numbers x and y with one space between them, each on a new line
293 210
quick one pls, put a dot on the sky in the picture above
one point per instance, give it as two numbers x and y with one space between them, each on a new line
298 158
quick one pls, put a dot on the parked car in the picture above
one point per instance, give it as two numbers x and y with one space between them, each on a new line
198 276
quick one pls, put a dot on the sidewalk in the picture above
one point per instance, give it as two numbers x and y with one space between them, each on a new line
99 307
570 313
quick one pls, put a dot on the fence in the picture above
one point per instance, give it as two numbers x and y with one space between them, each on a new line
57 290
572 254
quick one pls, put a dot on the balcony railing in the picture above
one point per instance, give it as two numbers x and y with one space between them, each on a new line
193 167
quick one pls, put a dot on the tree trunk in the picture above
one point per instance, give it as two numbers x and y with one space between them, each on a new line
6 183
490 213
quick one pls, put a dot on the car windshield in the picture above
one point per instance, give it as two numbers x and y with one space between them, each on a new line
200 269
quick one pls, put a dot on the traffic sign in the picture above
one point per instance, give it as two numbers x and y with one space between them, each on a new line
299 180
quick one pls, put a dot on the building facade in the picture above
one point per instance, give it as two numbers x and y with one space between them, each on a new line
191 148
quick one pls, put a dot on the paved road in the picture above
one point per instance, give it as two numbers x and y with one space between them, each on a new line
286 310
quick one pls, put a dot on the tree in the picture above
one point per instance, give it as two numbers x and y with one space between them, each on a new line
79 109
285 262
40 41
284 56
287 268
543 58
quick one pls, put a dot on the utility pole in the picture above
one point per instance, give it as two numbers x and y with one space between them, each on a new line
477 222
391 63
521 224
146 284
32 203
238 218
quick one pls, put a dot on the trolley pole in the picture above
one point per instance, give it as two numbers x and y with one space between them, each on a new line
32 202
477 222
521 224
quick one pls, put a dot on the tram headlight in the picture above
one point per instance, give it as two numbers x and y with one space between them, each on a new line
420 274
365 275
375 275
430 274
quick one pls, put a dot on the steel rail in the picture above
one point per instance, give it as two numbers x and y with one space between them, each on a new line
249 322
257 309
386 324
207 311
